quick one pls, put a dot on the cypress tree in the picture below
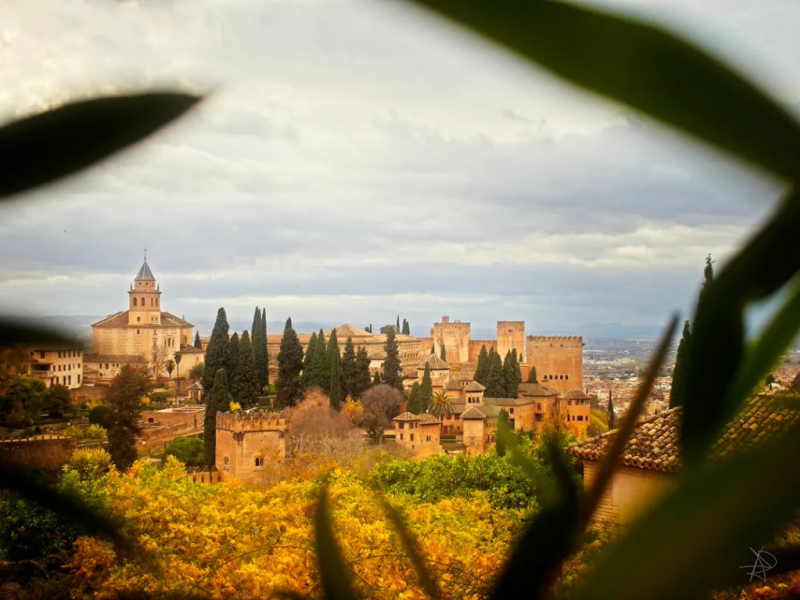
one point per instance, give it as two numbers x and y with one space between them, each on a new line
397 327
244 387
482 370
426 390
377 379
677 393
290 363
124 395
503 431
444 353
197 343
320 369
218 353
532 376
233 348
406 328
218 400
362 380
496 383
414 405
349 369
511 376
518 371
391 366
265 359
335 368
259 342
308 360
612 418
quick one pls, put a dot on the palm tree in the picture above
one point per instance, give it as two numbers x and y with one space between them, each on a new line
170 366
177 357
442 407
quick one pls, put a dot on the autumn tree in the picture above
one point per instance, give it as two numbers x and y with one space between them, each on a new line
362 379
426 389
532 376
308 360
349 369
496 381
25 397
290 363
218 351
218 400
482 370
381 404
244 386
124 396
335 368
391 375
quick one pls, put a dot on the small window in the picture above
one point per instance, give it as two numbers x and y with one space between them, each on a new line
471 441
401 436
412 437
41 354
566 376
259 462
427 438
79 379
511 411
150 420
226 464
106 365
138 319
138 331
134 300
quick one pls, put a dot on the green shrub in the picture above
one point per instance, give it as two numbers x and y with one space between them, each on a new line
28 532
102 415
159 397
190 451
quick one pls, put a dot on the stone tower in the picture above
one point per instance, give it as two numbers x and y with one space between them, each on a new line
511 336
558 360
455 337
144 299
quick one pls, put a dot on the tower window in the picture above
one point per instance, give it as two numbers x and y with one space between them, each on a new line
142 300
138 319
134 300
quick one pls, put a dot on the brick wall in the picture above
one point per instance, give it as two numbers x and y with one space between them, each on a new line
38 452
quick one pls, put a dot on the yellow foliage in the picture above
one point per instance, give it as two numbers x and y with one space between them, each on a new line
145 401
93 403
234 406
353 410
237 541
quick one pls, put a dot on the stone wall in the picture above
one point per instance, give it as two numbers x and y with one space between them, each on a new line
246 441
38 452
511 336
455 337
475 348
558 360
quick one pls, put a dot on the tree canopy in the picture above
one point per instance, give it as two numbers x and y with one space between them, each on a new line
290 363
218 352
392 375
124 396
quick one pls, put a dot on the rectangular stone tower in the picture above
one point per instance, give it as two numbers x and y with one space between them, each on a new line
455 337
511 336
558 360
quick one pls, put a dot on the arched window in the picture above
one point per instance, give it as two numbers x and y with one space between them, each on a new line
156 301
566 376
134 300
143 304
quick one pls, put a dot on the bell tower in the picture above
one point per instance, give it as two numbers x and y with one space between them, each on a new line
144 298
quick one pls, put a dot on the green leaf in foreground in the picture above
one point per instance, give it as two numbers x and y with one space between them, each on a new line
698 536
644 67
45 147
335 582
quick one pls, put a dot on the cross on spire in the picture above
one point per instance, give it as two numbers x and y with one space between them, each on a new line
145 253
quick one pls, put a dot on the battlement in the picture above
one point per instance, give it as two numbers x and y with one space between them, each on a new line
548 338
253 420
518 325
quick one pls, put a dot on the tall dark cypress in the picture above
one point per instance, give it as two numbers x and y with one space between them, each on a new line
233 348
320 370
443 355
244 387
362 379
335 368
377 379
349 369
511 376
612 418
290 363
515 358
496 383
218 400
391 366
218 353
677 393
482 370
406 327
264 376
532 376
308 360
259 342
197 343
426 390
397 327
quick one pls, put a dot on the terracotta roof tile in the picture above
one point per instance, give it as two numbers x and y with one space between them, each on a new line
575 394
536 389
435 363
429 419
473 414
474 386
407 416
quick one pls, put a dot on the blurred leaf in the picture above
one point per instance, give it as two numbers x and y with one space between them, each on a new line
643 67
624 432
698 536
410 544
25 484
39 149
541 481
716 351
16 333
335 582
766 351
547 541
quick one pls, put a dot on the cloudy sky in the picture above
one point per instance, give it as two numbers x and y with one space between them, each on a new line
356 159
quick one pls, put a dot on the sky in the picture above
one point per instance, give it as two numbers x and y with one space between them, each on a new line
356 159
